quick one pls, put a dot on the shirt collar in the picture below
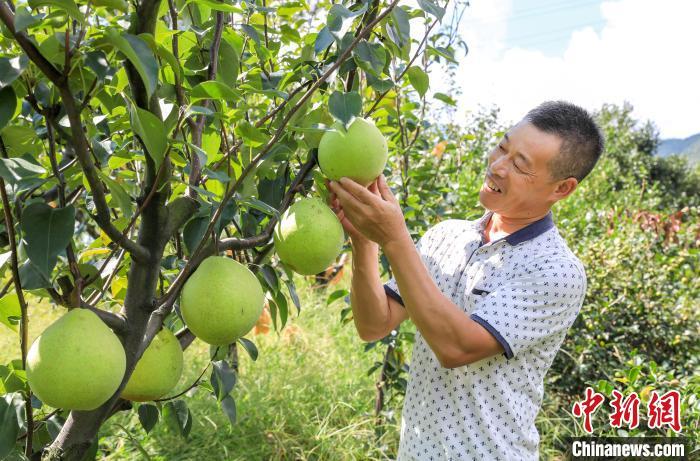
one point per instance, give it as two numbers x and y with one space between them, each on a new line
528 232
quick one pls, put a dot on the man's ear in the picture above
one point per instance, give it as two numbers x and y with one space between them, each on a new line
564 188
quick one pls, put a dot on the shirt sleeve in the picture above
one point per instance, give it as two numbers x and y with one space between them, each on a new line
426 246
535 309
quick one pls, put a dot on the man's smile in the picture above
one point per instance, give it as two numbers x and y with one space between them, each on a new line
491 185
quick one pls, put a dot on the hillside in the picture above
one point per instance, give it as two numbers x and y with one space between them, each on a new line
689 147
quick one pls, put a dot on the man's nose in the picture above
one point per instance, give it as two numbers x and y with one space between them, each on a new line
499 167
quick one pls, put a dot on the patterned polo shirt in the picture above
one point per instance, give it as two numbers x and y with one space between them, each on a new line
526 289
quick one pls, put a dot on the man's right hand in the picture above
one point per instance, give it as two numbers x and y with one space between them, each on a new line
356 236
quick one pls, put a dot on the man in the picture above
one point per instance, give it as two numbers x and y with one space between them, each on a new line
491 299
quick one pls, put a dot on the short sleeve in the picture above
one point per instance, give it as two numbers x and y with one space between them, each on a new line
535 309
426 246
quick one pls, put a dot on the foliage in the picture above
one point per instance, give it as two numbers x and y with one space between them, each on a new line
138 138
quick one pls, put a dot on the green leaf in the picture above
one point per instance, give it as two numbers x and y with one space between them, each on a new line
193 233
229 64
13 379
270 277
15 169
282 307
9 425
336 295
68 6
371 57
10 312
400 30
442 52
250 347
253 136
419 79
323 40
430 7
140 55
217 6
214 90
252 33
31 277
293 294
223 379
120 5
148 416
47 231
97 62
261 206
24 19
340 19
345 106
123 199
152 132
228 405
11 68
445 98
178 417
379 85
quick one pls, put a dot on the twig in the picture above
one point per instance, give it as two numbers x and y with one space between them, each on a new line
195 166
24 319
190 387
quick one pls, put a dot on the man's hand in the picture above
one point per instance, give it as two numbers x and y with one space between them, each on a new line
355 235
373 213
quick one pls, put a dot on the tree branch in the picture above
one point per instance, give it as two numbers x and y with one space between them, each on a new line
195 166
114 321
103 218
186 337
24 319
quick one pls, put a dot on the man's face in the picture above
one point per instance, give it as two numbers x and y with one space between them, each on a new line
518 184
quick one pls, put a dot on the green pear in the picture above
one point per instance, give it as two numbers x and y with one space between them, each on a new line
77 363
360 153
221 301
308 236
158 370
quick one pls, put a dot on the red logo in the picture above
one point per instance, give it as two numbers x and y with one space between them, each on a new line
587 407
664 410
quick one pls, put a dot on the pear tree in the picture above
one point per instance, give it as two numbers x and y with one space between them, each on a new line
141 140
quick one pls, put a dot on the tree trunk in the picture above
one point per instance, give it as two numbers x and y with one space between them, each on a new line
81 427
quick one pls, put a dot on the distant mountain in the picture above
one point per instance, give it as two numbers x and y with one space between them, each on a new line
689 147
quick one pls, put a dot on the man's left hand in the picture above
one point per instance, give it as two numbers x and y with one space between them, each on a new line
373 211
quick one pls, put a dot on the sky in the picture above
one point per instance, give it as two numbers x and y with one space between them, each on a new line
589 52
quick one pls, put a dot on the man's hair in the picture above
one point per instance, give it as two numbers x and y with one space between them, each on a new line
582 140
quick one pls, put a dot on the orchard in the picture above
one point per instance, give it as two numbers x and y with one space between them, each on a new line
162 174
